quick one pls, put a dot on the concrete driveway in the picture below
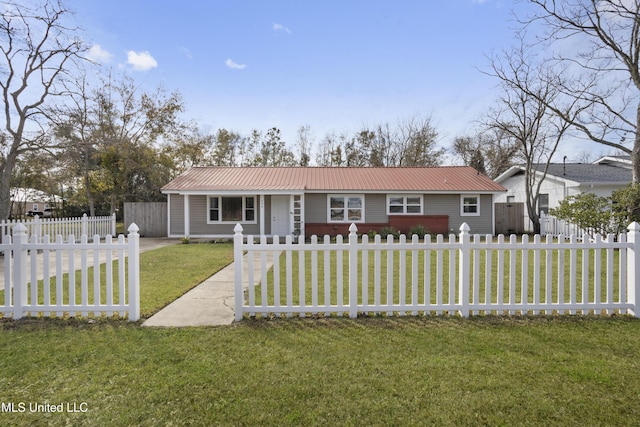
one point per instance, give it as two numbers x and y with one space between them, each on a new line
146 244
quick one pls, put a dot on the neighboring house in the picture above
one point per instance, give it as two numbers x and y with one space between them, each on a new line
602 178
209 201
29 202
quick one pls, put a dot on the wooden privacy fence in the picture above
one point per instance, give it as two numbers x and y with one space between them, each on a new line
466 275
40 276
65 227
151 217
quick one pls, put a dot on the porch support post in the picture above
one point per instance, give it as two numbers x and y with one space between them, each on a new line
302 221
187 213
261 202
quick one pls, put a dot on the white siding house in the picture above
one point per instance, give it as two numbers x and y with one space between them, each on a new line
602 178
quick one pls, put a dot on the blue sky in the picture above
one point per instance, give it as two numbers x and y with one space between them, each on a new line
332 65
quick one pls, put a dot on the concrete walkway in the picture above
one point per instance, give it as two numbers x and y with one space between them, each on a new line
211 303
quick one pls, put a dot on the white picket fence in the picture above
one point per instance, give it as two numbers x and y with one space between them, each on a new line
552 226
102 226
40 275
464 275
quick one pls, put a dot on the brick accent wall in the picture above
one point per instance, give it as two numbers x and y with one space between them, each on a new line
436 224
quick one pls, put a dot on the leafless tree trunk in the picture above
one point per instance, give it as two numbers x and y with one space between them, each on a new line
597 54
523 114
36 49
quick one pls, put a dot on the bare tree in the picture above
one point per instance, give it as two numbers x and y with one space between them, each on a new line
416 143
269 149
523 115
597 52
73 129
303 145
491 152
37 49
329 152
411 142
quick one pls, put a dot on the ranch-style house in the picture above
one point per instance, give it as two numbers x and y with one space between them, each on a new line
207 202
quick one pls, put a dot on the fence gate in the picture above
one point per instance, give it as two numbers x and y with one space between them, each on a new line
509 218
151 217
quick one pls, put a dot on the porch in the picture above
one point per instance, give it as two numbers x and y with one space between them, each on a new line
213 215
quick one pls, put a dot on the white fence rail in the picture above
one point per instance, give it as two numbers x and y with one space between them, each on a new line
40 276
463 275
552 226
102 226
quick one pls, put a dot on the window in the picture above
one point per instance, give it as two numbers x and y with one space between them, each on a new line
469 205
232 209
346 208
543 203
404 205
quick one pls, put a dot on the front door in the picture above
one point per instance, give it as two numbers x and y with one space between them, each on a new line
280 216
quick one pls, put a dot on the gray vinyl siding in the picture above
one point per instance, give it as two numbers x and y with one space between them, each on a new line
375 209
267 215
449 204
315 208
176 214
198 222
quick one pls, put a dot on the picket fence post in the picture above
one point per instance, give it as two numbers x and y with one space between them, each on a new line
633 276
353 271
113 224
464 267
237 263
20 239
85 225
37 228
134 272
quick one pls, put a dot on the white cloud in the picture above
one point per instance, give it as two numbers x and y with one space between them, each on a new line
234 65
279 27
186 52
98 54
141 61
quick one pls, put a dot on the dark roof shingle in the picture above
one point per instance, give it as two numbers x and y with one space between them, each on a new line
586 173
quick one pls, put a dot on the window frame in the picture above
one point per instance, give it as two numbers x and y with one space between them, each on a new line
345 208
245 208
404 204
463 205
543 207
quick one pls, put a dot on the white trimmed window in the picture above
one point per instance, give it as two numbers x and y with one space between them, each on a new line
345 207
543 204
404 204
231 209
469 205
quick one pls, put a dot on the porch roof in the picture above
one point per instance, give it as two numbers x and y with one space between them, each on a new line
449 179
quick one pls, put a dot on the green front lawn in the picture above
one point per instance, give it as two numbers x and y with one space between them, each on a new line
169 272
315 282
165 275
370 371
329 371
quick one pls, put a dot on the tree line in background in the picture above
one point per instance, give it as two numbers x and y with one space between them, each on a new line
98 141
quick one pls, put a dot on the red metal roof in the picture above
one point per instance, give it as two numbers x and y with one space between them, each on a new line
263 179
